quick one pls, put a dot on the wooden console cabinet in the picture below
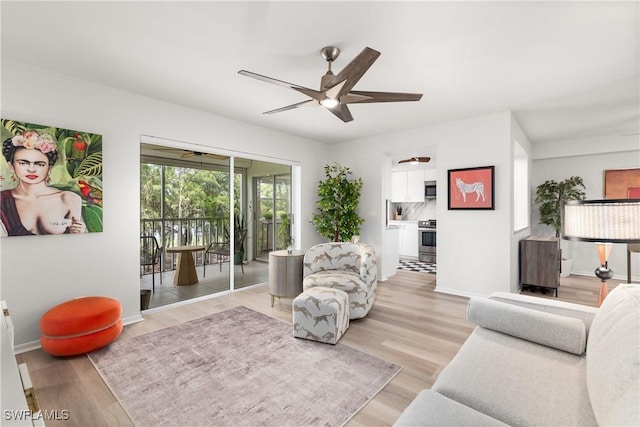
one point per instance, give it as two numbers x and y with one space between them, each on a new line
540 262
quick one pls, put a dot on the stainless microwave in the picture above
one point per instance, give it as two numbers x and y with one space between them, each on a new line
430 190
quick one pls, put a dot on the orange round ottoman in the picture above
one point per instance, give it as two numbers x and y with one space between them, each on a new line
80 326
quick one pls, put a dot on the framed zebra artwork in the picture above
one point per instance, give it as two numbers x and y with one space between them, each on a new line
471 188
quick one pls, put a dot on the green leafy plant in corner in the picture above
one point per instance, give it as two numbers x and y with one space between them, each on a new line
337 218
550 196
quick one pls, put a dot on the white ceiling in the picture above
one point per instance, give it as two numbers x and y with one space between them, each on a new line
566 69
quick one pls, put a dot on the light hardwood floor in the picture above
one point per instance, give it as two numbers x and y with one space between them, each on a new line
409 325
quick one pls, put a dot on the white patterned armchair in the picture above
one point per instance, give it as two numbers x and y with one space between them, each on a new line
350 267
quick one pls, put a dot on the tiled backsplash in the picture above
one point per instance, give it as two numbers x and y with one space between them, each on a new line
417 211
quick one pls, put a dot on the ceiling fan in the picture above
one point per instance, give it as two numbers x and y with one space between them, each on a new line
186 154
335 90
415 160
199 154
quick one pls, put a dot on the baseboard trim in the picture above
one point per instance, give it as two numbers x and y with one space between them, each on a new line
451 291
28 346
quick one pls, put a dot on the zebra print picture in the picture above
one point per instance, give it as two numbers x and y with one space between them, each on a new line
471 188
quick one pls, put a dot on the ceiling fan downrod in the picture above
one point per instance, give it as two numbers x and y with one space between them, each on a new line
330 54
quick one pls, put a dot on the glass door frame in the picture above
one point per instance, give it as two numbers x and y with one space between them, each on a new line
272 225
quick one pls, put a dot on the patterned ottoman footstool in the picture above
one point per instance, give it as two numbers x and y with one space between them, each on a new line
321 314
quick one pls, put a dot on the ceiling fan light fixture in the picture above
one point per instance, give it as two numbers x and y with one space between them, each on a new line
329 102
414 161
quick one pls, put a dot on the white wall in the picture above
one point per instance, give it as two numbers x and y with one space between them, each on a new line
604 153
517 134
473 246
40 272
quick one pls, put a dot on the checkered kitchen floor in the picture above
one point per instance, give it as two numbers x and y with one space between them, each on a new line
423 267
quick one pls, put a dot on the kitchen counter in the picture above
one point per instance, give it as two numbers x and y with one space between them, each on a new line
399 223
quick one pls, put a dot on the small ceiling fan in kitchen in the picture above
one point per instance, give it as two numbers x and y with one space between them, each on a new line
415 160
335 91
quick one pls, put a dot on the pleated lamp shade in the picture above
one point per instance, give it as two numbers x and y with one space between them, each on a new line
613 221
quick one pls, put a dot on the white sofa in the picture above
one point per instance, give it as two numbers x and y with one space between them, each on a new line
347 266
538 362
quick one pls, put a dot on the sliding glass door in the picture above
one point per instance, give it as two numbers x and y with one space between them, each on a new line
273 212
237 209
185 205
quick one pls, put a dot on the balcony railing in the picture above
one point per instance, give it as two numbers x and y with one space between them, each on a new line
184 231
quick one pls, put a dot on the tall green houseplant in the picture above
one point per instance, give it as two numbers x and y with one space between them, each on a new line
339 194
551 194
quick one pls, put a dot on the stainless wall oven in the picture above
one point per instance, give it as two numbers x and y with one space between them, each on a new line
427 241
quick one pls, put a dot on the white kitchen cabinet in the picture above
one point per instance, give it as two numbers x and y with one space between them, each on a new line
407 238
409 246
407 186
415 186
398 186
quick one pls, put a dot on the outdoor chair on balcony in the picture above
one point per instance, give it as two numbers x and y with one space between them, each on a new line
222 253
150 254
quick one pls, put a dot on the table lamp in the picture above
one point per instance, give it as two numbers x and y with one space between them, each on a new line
604 222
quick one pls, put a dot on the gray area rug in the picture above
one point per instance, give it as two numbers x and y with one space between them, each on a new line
238 368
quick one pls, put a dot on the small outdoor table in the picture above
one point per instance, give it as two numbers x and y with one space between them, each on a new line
186 269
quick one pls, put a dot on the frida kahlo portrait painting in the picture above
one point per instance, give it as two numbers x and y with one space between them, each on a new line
50 180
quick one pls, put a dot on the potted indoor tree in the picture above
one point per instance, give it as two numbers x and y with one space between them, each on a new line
337 218
550 195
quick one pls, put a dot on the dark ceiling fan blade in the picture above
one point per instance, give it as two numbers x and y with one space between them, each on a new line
342 112
187 155
308 103
355 69
364 96
305 90
415 160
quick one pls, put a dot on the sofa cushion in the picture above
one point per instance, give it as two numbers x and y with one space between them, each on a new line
613 358
518 382
563 333
433 409
562 308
